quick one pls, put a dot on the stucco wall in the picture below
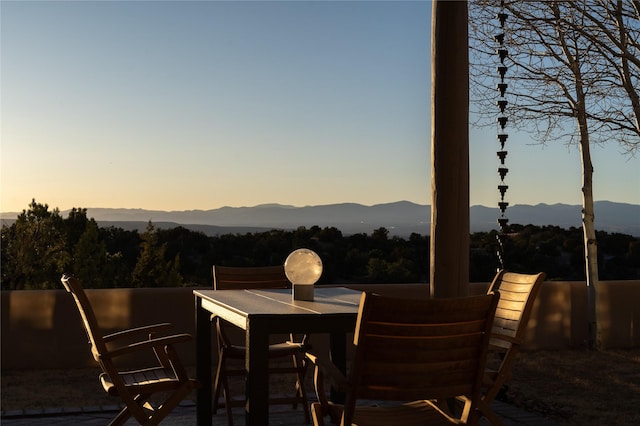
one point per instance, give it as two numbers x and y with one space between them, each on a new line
42 329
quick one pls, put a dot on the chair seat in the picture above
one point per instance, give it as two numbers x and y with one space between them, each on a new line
149 380
416 413
276 350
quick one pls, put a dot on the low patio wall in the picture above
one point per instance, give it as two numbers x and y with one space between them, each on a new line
42 329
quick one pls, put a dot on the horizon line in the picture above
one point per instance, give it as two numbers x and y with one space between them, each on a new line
316 205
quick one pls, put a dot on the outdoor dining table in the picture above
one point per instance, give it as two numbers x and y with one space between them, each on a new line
260 313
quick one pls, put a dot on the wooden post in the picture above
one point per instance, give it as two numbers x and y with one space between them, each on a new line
449 149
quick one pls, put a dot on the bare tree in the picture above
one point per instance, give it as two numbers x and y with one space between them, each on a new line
574 72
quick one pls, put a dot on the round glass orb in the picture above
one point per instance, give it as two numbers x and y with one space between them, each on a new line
303 266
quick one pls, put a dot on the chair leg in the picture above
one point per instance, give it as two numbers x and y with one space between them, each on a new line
318 416
169 404
133 408
217 383
299 384
222 385
227 400
492 417
121 418
301 367
297 361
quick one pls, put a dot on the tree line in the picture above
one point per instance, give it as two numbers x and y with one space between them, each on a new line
41 245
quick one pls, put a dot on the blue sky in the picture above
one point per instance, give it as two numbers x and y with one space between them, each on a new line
199 105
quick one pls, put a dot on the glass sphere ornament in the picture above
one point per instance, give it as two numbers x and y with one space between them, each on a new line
303 268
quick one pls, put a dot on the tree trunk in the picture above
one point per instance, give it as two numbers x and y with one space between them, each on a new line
589 232
588 220
588 216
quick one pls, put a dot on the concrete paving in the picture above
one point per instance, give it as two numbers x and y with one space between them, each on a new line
185 415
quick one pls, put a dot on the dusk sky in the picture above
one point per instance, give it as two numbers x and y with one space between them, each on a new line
198 105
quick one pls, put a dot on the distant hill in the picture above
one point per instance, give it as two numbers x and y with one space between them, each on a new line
400 218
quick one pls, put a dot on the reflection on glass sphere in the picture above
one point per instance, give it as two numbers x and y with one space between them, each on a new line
303 266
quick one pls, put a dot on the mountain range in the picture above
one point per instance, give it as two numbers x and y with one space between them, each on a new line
400 218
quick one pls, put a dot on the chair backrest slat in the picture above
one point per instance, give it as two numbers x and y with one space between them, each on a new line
73 286
230 277
517 294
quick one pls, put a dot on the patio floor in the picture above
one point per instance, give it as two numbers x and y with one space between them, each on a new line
185 415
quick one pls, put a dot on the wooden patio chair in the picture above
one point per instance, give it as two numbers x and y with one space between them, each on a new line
517 294
265 277
408 354
163 384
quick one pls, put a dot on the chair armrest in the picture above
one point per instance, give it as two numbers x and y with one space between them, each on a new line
325 368
149 344
304 340
148 329
337 380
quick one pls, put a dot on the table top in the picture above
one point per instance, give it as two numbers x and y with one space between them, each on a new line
238 306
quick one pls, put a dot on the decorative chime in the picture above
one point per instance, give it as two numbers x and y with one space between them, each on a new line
502 136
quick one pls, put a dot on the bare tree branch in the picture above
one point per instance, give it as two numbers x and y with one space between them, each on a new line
576 77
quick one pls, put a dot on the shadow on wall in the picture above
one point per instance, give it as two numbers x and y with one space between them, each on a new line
43 329
619 313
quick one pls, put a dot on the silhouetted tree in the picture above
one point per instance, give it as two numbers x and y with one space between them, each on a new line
152 269
90 258
195 251
34 250
75 224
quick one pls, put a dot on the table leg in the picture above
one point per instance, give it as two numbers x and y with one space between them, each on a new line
257 364
338 356
203 365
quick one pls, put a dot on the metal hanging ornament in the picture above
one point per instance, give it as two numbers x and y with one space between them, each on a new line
502 120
